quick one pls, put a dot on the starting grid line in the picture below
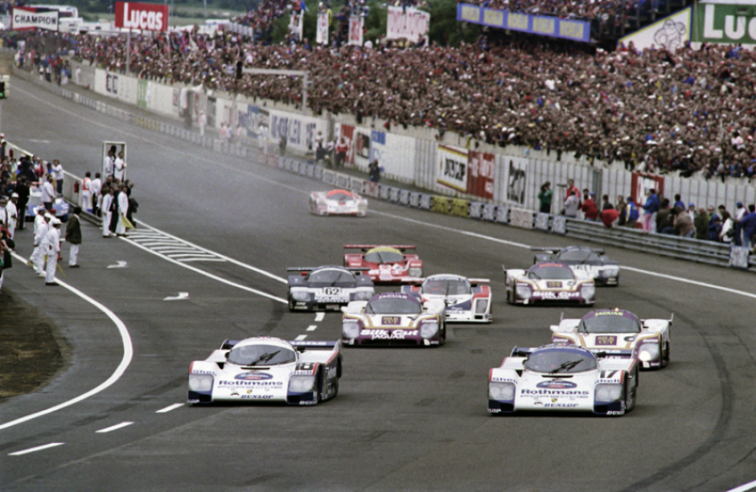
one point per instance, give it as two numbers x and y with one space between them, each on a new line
171 247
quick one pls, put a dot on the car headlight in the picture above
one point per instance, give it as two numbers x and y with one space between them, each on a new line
200 382
524 291
501 391
415 272
428 329
351 329
648 352
362 295
480 306
588 290
608 392
609 272
301 384
300 295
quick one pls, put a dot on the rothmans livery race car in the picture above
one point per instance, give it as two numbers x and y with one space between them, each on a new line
647 339
549 282
338 202
327 288
386 264
563 378
590 260
466 300
394 318
266 369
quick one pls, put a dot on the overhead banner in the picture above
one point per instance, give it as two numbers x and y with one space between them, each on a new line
451 170
355 30
142 16
321 35
407 23
26 18
480 175
670 33
533 24
725 22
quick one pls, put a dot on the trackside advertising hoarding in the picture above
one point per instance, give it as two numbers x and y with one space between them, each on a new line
142 16
671 33
725 22
533 24
25 18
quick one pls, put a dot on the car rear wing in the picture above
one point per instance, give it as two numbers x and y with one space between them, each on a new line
612 353
523 351
366 247
303 345
228 344
309 269
554 250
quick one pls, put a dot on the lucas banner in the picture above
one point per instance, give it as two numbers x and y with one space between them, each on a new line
25 18
480 176
407 23
321 36
142 16
451 168
355 30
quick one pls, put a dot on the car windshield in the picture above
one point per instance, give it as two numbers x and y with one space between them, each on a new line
584 255
393 305
614 322
560 361
384 255
551 273
331 276
446 287
261 355
340 196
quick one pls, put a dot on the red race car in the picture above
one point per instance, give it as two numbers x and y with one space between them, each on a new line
387 263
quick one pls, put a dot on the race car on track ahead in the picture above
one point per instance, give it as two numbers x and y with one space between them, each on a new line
591 260
549 282
386 264
327 287
564 378
394 318
338 202
648 339
466 300
266 369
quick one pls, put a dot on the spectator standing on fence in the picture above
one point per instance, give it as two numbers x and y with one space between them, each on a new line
73 237
605 205
51 247
665 219
631 213
649 210
701 222
57 170
572 205
589 207
544 198
683 224
748 225
679 202
47 193
715 228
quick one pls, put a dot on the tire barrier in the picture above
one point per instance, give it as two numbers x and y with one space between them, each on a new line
459 207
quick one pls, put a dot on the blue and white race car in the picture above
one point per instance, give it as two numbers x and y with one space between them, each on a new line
564 378
327 288
266 369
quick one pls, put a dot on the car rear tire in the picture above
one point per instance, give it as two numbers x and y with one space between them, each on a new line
665 355
322 386
291 304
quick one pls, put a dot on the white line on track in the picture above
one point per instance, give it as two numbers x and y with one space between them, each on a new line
128 353
744 487
114 427
312 327
37 448
301 337
170 407
319 316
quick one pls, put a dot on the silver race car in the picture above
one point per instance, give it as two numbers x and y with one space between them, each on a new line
467 300
266 369
590 260
327 287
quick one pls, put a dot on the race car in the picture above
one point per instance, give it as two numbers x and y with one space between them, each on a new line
61 207
267 369
338 202
394 318
386 264
648 339
591 260
466 300
327 287
549 282
564 378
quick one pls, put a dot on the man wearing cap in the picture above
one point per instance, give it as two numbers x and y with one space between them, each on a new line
51 247
41 226
12 209
73 237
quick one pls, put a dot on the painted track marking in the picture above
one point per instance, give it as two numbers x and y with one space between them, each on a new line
114 427
320 316
35 449
170 407
301 337
312 327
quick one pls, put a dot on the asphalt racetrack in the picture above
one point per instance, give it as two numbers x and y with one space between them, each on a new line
404 419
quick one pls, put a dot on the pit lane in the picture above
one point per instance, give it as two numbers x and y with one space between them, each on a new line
405 419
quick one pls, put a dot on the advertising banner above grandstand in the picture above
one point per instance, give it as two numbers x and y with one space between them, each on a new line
533 24
25 18
142 16
355 30
729 22
407 23
671 33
